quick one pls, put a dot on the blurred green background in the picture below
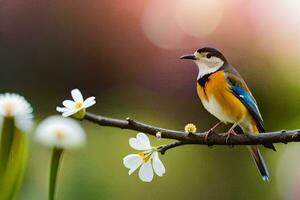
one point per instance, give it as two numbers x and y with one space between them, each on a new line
126 53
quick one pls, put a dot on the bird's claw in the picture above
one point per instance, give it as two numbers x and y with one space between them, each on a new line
206 136
229 134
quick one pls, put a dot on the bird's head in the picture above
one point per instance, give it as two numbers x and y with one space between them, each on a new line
207 59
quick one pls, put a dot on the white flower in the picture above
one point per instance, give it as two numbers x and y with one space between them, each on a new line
60 132
15 106
148 159
77 105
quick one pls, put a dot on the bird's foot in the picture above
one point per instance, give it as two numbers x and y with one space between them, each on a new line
210 131
207 133
228 134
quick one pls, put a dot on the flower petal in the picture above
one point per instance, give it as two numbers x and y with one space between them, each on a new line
68 103
89 102
135 144
77 96
146 172
158 166
132 162
143 139
69 112
61 109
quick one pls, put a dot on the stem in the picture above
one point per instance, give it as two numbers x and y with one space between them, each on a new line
7 137
56 155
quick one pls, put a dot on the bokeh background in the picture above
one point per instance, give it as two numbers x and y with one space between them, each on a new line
126 53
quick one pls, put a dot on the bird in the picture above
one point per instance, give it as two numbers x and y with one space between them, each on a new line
224 94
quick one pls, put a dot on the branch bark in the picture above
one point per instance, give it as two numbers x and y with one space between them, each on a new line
282 136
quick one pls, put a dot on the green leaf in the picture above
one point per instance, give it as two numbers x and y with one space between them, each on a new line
12 178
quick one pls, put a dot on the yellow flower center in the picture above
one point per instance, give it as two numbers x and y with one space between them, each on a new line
78 105
145 156
8 109
59 135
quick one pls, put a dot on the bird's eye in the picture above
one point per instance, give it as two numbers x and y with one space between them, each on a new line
208 55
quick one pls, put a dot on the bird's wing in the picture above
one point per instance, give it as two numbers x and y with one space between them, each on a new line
242 92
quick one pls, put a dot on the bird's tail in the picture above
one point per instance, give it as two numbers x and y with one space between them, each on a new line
259 161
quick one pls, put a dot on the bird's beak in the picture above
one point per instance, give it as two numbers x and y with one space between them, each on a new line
188 56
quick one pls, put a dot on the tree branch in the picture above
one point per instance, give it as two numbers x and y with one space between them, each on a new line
282 136
163 148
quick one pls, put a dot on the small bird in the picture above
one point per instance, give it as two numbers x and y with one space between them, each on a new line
224 94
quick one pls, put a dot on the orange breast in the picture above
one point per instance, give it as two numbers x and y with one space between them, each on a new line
217 98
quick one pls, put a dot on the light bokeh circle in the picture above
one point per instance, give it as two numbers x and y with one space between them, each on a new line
199 18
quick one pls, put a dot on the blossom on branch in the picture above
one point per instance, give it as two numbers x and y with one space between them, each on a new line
148 160
190 128
77 106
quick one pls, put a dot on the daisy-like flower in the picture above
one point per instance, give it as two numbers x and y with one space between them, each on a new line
148 160
76 106
15 120
59 132
15 106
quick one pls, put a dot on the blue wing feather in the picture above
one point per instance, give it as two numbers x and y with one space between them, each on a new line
242 92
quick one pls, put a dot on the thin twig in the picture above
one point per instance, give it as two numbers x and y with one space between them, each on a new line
163 148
